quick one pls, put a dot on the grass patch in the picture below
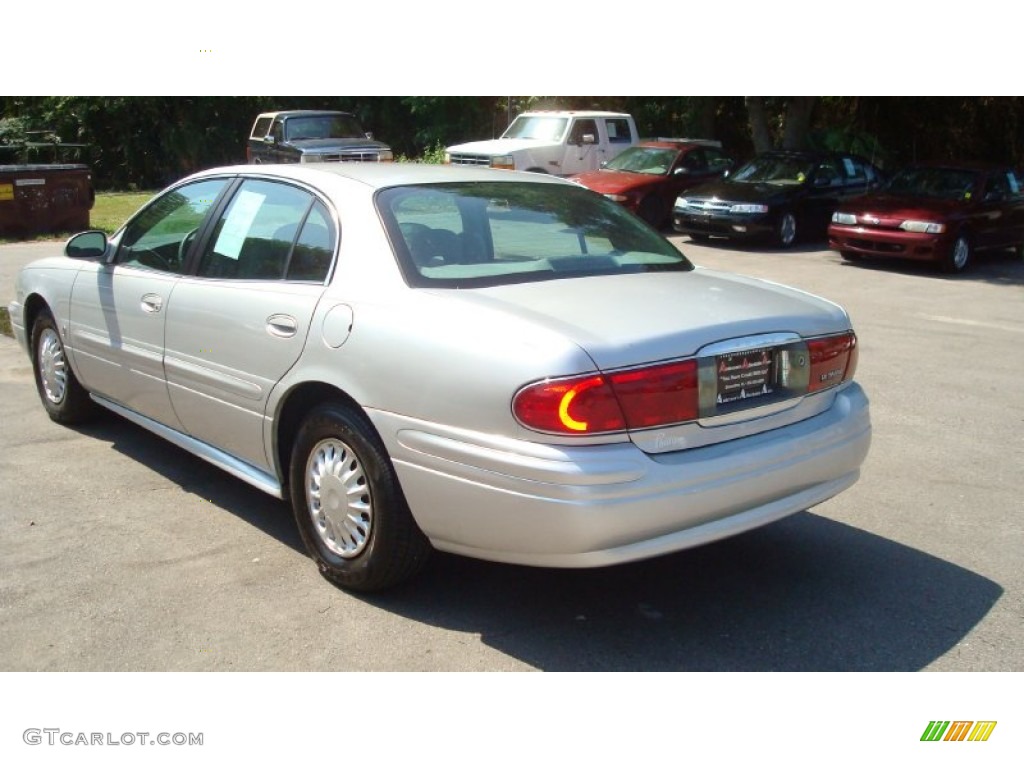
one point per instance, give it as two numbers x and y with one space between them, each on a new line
109 212
5 322
112 209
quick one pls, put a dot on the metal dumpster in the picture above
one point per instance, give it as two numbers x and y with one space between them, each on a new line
44 198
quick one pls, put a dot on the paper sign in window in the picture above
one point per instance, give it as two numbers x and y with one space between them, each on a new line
238 223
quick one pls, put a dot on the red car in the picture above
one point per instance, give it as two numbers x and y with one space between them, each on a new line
647 177
935 213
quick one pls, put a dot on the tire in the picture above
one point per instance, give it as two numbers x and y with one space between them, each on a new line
851 257
700 238
653 212
66 401
348 505
785 233
959 256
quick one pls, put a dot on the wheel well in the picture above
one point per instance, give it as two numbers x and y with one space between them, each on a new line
297 404
34 306
535 170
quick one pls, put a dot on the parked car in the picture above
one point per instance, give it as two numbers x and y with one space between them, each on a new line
647 178
312 136
936 213
551 141
501 365
778 197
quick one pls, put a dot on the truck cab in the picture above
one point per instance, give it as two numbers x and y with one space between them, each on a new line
556 142
312 136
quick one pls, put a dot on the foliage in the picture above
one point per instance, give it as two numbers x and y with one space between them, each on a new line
147 142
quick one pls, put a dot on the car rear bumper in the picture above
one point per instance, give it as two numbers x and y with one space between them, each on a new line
895 244
563 506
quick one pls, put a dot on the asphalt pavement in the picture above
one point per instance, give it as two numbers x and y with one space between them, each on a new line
121 552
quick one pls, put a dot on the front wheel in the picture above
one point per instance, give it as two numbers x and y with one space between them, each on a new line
851 256
65 400
348 505
785 234
959 256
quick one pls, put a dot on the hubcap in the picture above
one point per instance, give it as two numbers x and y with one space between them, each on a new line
52 366
338 498
787 229
960 253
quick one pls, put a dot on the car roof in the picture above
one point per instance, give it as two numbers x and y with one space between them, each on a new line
379 175
302 113
572 113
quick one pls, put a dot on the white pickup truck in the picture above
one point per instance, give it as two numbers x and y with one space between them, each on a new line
560 143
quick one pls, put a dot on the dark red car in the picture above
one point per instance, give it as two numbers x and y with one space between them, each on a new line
647 177
935 213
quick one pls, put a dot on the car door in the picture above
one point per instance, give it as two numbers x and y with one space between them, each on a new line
118 309
997 224
827 188
240 320
582 154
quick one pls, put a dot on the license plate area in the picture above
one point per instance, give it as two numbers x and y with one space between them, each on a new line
744 375
752 377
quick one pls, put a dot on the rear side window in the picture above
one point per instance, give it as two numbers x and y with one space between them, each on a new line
618 130
262 126
269 231
462 235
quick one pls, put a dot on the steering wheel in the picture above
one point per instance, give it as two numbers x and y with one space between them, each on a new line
152 259
184 245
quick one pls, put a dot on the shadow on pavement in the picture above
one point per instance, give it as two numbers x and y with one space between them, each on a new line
806 593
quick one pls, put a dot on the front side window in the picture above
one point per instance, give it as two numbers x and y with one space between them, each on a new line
583 128
940 183
468 234
160 235
262 231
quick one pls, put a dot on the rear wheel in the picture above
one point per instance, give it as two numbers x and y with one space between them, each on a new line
959 256
349 508
653 212
65 400
785 234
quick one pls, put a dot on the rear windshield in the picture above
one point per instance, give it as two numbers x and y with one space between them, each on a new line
469 234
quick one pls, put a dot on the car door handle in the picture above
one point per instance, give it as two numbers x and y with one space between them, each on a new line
282 326
152 303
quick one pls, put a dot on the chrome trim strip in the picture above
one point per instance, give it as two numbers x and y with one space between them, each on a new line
245 472
731 346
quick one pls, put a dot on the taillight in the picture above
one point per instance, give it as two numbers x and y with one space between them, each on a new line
833 361
600 403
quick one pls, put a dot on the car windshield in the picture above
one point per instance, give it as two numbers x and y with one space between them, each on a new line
323 127
653 160
939 183
467 234
774 169
532 127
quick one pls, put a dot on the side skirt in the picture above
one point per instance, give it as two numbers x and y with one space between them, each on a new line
243 471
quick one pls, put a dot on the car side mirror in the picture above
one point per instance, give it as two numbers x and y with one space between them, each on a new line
268 140
369 135
588 138
604 163
726 172
86 245
822 181
681 172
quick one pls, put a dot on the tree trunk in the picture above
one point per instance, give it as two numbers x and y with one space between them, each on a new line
759 129
798 120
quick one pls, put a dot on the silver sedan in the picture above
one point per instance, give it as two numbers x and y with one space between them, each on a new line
500 365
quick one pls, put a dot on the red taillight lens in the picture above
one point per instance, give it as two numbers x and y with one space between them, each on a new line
833 361
663 394
576 406
634 399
